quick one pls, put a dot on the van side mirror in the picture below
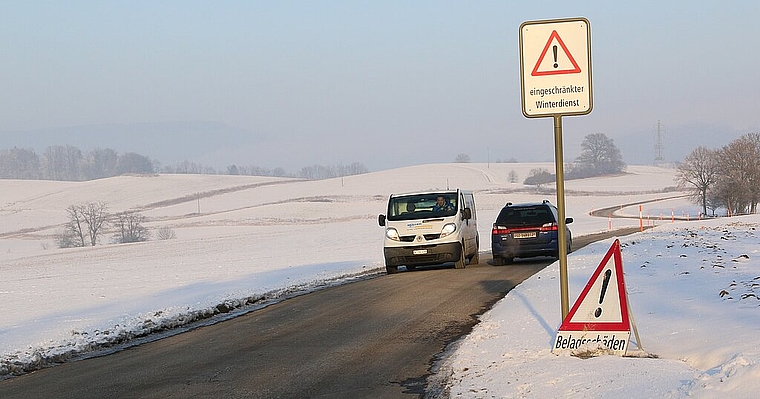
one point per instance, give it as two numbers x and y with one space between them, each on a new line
568 220
466 213
381 220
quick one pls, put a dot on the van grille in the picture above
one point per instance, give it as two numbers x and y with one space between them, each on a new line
428 237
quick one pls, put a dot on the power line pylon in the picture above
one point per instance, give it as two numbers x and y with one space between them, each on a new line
658 145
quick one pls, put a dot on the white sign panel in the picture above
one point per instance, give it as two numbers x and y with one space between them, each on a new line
555 67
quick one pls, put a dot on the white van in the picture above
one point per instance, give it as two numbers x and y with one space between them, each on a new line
430 228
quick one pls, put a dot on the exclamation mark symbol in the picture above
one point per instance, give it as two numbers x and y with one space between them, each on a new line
605 283
554 50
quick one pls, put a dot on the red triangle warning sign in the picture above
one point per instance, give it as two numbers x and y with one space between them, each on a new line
599 319
560 62
603 304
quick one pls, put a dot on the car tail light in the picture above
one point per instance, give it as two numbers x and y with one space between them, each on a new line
549 227
500 230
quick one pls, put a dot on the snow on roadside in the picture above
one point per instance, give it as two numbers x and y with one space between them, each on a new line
90 299
693 288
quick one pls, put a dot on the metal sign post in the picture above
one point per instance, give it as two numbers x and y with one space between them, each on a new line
555 77
562 234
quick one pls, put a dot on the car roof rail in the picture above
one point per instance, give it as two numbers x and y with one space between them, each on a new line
508 204
546 201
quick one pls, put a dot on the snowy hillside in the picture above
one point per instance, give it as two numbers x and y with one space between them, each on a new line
234 244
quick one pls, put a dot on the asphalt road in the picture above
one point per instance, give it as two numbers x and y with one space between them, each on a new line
373 338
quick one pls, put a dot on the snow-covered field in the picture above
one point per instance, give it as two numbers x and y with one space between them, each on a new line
241 241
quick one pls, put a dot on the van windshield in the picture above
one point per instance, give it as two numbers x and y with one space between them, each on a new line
421 206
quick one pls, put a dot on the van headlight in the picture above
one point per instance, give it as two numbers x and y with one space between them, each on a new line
448 229
392 234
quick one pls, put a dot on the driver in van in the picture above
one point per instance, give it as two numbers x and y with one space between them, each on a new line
441 204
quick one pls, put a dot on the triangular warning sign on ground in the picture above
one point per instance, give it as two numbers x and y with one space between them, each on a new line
603 304
600 315
559 63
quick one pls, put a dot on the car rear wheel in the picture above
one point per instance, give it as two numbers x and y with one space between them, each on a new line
391 269
498 261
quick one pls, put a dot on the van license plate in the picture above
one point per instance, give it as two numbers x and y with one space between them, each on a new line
531 234
420 251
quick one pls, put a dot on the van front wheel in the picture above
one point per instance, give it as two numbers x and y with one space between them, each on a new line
475 259
461 262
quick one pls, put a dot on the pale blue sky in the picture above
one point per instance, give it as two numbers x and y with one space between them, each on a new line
387 83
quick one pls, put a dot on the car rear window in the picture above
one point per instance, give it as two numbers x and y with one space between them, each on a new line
525 216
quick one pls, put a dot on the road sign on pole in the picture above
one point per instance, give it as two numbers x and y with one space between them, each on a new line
555 67
555 77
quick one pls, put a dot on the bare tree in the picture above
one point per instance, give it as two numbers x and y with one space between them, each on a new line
698 174
186 167
752 143
278 172
354 168
727 195
99 163
316 172
737 160
62 163
73 231
84 225
166 233
259 171
462 158
728 177
326 172
19 163
513 177
130 227
95 216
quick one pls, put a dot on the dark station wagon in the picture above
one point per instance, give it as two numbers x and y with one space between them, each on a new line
527 230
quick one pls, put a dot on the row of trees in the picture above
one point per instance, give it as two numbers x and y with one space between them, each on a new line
88 222
599 156
326 172
72 164
728 177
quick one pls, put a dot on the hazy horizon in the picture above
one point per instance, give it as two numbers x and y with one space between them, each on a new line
291 84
